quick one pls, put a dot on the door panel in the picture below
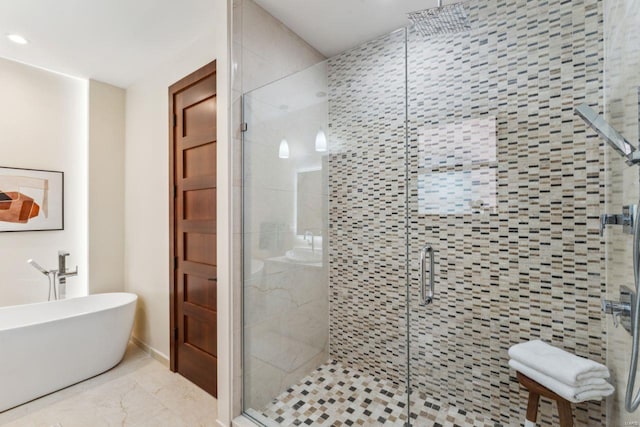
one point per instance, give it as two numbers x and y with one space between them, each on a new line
199 247
198 203
199 291
194 312
197 161
197 119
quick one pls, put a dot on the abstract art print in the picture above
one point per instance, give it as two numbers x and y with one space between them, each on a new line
31 200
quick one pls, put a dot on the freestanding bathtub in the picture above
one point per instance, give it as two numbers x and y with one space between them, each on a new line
47 346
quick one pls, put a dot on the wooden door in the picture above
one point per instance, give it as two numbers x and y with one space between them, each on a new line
193 227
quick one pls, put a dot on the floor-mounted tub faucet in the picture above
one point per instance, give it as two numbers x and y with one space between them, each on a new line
63 273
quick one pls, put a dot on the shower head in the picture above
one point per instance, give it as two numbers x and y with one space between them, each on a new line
447 19
37 266
608 133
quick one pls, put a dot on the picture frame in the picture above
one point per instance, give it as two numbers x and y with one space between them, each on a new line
31 200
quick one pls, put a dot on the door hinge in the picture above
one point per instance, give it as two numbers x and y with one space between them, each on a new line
244 127
175 262
175 191
175 334
175 120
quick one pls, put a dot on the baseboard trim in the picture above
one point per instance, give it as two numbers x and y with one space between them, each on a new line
155 354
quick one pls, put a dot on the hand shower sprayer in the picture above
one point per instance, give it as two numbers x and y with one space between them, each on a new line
629 308
609 134
51 275
37 267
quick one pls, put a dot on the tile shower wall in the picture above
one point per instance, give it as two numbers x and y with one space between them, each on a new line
526 261
621 85
367 250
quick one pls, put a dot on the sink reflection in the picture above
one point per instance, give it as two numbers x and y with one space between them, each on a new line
304 255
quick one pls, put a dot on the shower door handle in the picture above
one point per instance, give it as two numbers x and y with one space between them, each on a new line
426 295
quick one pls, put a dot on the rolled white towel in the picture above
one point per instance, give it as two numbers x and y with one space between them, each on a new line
572 394
556 363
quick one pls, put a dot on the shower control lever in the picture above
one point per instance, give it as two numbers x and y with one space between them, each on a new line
622 311
625 219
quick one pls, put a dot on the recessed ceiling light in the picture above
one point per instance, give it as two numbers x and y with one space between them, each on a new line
17 38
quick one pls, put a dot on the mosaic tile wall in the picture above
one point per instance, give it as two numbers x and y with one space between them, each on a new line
518 258
367 206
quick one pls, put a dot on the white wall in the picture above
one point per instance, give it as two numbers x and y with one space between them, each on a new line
146 189
43 117
106 187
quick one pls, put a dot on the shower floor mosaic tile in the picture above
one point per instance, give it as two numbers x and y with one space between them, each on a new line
336 396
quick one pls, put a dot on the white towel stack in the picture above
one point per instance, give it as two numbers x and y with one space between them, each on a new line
575 378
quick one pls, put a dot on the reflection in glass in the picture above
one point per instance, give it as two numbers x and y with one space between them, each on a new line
285 287
458 167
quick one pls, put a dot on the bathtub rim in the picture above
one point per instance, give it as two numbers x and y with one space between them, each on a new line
133 298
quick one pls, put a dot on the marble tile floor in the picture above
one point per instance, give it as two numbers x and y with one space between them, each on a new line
139 392
334 395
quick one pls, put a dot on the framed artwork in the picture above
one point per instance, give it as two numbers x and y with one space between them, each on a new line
31 200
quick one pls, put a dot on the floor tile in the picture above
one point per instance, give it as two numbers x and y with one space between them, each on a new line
139 392
334 395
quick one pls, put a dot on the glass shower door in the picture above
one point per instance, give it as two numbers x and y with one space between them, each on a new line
285 280
325 250
454 257
452 176
505 191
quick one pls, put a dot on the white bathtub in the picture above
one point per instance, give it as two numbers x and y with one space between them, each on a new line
47 346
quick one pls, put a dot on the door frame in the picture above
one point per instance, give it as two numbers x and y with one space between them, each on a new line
174 89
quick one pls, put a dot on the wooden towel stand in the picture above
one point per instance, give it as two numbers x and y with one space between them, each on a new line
535 391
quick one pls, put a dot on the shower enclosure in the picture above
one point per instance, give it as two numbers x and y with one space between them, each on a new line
412 163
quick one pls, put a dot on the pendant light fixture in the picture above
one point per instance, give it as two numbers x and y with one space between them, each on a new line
321 141
283 151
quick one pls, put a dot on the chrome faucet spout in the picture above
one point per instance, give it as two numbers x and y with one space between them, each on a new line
69 273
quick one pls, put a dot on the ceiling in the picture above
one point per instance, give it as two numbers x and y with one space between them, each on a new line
114 41
333 26
118 41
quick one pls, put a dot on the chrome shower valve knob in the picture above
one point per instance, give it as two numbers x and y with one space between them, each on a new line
615 309
621 311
